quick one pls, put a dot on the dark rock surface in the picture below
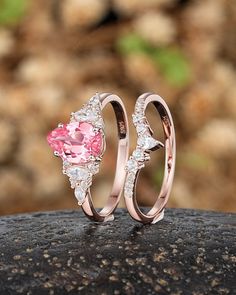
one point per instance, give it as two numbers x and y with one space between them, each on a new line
189 252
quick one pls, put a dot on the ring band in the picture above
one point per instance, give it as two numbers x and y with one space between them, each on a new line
145 144
81 145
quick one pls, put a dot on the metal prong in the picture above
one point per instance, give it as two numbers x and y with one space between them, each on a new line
56 154
96 129
92 158
60 125
98 159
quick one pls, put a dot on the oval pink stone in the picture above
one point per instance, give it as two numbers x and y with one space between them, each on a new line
76 142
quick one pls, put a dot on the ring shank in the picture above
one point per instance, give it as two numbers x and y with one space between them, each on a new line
122 155
170 156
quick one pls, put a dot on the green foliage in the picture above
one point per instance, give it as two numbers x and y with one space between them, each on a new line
12 11
132 44
170 61
158 176
173 65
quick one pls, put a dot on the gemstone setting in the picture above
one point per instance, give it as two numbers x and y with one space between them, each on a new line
145 144
81 145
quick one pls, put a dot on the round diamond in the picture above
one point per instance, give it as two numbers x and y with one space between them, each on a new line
129 192
132 165
138 155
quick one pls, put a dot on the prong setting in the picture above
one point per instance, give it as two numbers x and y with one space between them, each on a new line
145 144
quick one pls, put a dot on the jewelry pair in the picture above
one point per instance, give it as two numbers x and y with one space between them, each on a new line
81 145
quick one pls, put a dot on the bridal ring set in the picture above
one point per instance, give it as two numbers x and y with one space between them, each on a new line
81 144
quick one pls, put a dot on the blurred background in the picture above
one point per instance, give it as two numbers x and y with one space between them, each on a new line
54 55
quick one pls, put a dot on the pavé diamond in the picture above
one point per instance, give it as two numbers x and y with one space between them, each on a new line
132 165
138 155
141 127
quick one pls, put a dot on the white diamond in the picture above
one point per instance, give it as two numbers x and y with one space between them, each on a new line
130 179
80 194
147 142
132 165
99 123
86 115
77 173
138 155
137 118
128 192
93 168
95 100
139 106
141 127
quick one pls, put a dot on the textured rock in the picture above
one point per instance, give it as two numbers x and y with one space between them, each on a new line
189 252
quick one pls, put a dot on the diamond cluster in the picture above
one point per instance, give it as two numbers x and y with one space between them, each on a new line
81 144
145 143
80 175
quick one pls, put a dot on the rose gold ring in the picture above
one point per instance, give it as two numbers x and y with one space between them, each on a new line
81 145
145 144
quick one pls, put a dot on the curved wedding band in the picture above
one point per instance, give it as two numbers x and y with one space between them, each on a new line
145 144
81 145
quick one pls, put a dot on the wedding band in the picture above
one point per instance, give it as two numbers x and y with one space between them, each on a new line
145 144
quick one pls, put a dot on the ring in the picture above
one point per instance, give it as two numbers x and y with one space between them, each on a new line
81 145
145 144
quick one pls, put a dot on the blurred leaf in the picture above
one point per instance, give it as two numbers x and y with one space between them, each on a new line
173 64
132 43
12 11
158 176
170 61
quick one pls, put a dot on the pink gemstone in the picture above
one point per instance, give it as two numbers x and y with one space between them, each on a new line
76 142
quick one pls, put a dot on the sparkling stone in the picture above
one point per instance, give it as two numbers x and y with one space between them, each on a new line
147 142
129 192
138 155
130 179
137 118
93 168
86 115
141 128
139 106
99 123
95 100
80 194
78 173
132 165
76 142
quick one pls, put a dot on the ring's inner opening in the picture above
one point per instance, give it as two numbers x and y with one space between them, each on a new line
151 176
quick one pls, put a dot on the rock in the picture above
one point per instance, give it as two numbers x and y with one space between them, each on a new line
62 252
165 28
83 14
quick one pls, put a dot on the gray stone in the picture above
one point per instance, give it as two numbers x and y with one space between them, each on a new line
189 252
